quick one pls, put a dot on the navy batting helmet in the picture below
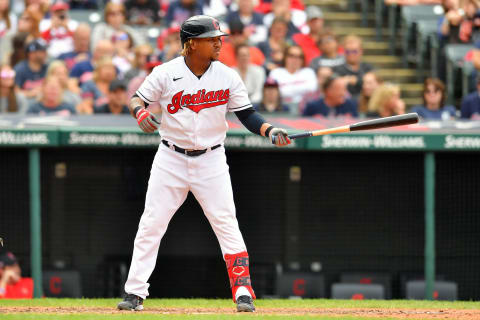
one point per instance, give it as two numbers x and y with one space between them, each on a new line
200 27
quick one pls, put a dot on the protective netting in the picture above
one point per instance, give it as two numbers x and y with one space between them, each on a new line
355 211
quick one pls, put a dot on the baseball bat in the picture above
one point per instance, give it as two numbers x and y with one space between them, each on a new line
379 123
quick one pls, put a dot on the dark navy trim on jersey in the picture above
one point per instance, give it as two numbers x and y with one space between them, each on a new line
143 97
251 119
248 104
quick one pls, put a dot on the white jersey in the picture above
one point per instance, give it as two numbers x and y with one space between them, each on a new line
194 109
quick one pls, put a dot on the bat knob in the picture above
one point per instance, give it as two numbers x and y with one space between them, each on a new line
274 139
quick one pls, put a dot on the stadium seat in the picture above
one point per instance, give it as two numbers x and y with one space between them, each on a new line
357 291
425 29
62 284
442 290
385 279
300 284
467 71
410 16
455 54
91 17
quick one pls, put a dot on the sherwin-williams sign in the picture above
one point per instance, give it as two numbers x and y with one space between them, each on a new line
128 137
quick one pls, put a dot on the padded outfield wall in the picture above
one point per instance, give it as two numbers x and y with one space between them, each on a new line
351 202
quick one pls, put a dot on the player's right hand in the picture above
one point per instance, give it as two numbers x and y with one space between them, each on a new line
146 120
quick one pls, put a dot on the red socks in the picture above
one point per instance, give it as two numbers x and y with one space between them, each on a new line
238 272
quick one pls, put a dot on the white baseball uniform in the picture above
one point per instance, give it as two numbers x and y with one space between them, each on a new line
193 117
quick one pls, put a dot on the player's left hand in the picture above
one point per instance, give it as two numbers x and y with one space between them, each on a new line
279 137
146 121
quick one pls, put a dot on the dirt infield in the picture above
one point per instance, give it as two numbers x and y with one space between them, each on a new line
365 312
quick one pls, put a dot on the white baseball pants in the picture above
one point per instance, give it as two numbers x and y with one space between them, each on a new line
172 175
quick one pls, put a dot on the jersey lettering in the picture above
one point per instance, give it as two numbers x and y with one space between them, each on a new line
199 100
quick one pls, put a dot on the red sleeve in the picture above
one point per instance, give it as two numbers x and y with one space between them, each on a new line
256 56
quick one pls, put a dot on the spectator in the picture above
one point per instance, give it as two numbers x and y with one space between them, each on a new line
353 69
95 91
329 48
171 44
82 70
253 76
294 79
123 57
10 101
308 42
433 101
470 108
8 27
114 15
29 22
323 74
386 102
282 9
11 283
151 62
449 24
253 21
370 82
142 12
411 2
138 66
71 91
471 22
51 100
334 101
117 99
31 72
59 34
81 47
238 37
18 53
277 39
271 98
181 10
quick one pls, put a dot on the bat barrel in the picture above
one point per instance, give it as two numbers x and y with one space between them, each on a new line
404 119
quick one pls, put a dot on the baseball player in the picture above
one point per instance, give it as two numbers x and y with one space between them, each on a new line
195 92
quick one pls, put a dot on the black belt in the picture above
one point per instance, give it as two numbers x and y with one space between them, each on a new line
190 153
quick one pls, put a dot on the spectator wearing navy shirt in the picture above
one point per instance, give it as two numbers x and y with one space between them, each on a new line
117 99
470 108
81 47
51 101
83 70
253 21
181 10
31 72
433 101
335 101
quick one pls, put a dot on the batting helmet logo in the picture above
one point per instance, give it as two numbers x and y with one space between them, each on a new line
215 24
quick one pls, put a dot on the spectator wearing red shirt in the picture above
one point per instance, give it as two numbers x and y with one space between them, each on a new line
237 37
12 285
59 34
308 42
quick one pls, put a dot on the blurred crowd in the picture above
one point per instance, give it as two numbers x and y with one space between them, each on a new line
290 60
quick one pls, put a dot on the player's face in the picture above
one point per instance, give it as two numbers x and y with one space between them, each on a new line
209 48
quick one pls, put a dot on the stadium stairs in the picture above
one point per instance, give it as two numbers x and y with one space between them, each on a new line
345 17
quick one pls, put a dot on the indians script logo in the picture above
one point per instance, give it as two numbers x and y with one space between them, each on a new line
198 101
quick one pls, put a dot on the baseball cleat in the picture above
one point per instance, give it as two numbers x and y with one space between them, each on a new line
131 302
245 304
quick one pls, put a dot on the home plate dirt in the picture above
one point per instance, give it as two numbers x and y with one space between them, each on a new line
365 312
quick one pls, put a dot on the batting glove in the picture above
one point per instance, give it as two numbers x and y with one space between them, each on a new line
146 120
279 137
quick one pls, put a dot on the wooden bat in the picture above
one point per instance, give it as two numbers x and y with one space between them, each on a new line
379 123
